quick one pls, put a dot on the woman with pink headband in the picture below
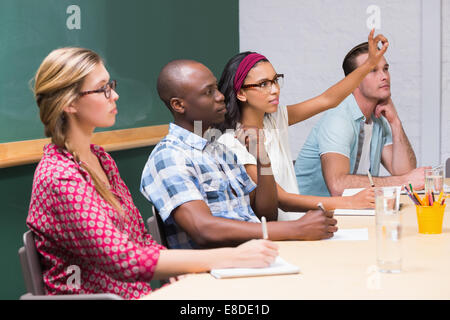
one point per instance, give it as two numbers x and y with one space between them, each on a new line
251 87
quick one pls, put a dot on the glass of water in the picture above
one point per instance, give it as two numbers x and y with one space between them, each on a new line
434 180
388 229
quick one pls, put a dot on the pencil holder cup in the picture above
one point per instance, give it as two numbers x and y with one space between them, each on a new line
429 219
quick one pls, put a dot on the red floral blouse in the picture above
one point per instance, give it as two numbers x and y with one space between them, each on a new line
86 247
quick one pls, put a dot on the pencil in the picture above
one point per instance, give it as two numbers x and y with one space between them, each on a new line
440 196
423 201
414 195
413 199
370 179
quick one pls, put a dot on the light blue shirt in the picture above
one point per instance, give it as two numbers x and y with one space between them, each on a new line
338 132
184 167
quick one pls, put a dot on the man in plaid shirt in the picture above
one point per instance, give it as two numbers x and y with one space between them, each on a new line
204 196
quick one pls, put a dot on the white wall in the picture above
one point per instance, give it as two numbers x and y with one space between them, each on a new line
308 39
445 104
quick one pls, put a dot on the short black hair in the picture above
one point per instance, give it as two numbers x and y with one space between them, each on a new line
349 63
168 84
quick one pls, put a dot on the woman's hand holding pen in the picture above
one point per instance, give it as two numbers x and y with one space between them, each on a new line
255 254
363 199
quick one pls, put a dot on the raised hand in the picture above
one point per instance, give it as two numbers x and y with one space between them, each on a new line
375 54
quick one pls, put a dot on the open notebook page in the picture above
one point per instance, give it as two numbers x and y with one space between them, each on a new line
279 266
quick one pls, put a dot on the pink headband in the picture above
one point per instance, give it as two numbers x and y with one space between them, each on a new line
244 67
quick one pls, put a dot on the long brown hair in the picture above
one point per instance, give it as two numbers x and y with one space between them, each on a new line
57 84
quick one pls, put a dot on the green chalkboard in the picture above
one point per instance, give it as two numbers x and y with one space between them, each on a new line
135 37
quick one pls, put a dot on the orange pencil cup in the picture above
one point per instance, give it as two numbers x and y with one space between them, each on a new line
429 219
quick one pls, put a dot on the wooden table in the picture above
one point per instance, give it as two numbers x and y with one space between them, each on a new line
339 269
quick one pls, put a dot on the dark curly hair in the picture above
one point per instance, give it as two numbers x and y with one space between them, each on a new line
226 86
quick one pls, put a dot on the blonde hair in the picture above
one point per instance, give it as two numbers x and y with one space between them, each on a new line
57 84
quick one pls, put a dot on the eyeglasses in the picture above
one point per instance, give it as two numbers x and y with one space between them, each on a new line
106 89
266 85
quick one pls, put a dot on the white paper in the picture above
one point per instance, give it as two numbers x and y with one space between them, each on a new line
279 266
354 212
353 191
350 235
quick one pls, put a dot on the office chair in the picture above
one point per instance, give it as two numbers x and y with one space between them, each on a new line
156 228
32 274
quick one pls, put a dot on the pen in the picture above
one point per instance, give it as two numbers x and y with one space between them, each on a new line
320 206
370 178
264 228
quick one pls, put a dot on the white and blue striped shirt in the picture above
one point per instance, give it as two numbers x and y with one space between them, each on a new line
185 167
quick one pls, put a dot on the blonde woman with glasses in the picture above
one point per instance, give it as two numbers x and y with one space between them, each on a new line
81 211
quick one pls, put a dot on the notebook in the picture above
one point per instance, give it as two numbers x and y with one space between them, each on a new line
360 234
352 191
354 212
279 266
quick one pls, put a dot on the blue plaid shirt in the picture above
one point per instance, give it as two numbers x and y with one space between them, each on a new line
185 167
